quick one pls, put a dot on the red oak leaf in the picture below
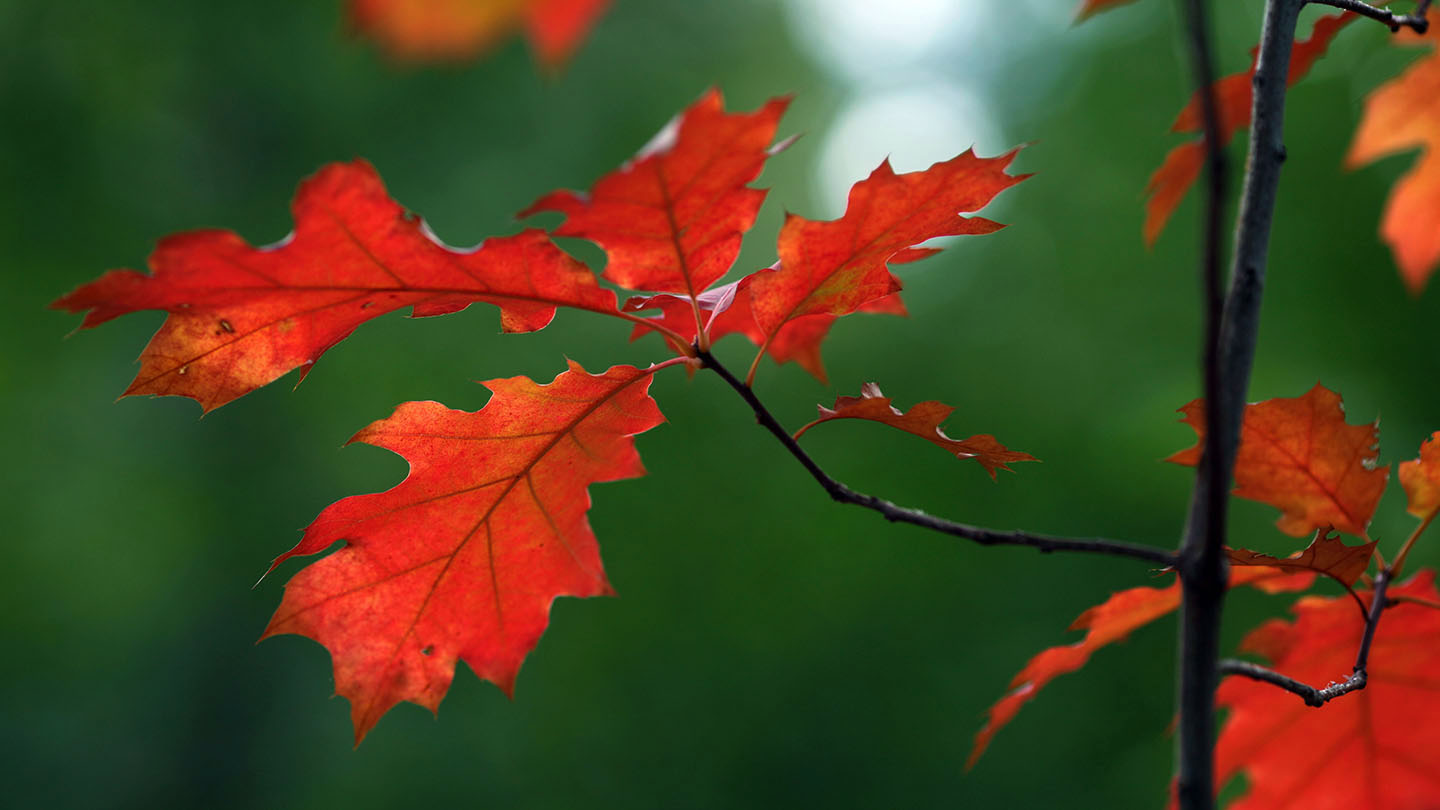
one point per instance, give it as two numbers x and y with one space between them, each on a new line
728 308
672 219
1233 96
922 420
838 266
1421 479
1106 623
1298 455
241 317
1370 750
1404 114
462 29
1326 555
462 559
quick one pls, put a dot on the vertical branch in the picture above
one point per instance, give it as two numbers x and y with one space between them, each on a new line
1230 336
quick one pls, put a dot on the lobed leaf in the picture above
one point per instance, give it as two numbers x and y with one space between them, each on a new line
1421 479
462 559
673 218
1298 455
1325 555
241 317
921 420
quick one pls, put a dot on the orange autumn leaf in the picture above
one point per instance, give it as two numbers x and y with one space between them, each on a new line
1400 115
672 219
836 267
1326 555
923 420
1375 749
1298 455
1421 479
445 30
726 310
462 559
1233 96
241 317
1107 623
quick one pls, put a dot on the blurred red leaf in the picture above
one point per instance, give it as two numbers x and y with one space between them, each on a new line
241 317
1298 455
462 559
1404 114
446 30
1233 97
1421 479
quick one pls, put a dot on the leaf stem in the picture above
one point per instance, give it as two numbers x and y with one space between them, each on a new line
899 514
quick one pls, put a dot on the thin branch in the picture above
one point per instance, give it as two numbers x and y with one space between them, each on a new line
1415 22
1358 677
899 514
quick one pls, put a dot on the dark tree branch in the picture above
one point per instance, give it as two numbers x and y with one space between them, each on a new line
1415 22
1202 565
1203 568
1354 683
899 514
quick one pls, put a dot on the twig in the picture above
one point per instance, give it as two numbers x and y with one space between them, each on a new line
1358 677
1415 22
899 514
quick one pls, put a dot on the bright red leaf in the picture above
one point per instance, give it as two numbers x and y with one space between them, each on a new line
1421 479
240 317
462 559
672 219
1106 623
1400 115
922 420
1374 749
425 30
1233 97
836 267
1298 455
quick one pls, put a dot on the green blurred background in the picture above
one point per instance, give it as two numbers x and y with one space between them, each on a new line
768 648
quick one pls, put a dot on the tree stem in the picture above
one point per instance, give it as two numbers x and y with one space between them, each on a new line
1231 336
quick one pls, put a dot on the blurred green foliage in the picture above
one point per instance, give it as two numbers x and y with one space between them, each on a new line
768 648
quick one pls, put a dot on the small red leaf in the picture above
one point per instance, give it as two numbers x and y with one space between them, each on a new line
922 420
442 30
1298 455
1325 555
462 559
